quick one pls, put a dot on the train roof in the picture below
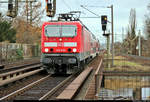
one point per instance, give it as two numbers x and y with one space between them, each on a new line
71 21
79 22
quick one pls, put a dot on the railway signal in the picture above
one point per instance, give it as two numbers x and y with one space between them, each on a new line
10 6
13 6
11 9
104 22
50 8
104 19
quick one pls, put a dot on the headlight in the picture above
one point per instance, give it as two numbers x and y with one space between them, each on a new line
46 49
60 39
74 50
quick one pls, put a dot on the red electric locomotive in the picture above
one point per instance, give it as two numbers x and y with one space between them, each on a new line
66 45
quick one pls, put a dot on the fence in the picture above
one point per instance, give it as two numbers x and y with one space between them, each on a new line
13 51
128 79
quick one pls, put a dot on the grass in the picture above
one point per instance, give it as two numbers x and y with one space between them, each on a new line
119 57
125 65
110 56
115 57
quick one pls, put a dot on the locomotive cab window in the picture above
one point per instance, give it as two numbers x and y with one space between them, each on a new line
60 30
68 30
52 31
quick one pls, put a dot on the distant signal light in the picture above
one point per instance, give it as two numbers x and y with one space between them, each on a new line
104 19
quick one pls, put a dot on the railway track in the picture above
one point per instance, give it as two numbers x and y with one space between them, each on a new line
41 89
51 87
19 91
46 88
12 87
53 93
19 72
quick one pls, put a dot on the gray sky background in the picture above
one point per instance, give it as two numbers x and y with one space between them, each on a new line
121 14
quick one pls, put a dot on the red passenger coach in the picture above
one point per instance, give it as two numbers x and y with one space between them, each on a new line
66 45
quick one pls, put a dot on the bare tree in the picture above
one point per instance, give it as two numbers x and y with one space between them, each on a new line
29 31
147 24
147 30
131 38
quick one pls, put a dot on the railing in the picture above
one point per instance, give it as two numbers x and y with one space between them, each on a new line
98 78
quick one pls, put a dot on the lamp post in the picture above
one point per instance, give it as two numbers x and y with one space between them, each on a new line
112 30
139 43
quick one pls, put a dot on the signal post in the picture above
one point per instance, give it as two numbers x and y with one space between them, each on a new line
104 27
108 47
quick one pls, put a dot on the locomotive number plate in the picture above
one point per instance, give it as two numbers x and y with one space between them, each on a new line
60 44
61 50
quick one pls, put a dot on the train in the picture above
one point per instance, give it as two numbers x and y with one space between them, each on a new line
66 46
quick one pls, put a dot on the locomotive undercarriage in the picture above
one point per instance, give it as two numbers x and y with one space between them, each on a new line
61 69
61 64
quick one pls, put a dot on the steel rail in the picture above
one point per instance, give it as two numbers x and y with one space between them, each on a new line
72 89
15 93
51 92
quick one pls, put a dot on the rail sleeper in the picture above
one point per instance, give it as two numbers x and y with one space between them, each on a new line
70 91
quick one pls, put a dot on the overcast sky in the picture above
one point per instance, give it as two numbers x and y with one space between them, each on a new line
121 13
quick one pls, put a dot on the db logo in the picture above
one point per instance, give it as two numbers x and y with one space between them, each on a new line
60 44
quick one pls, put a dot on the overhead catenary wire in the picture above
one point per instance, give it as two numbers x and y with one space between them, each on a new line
90 11
95 6
90 17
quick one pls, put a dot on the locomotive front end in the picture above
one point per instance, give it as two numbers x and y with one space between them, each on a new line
60 47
